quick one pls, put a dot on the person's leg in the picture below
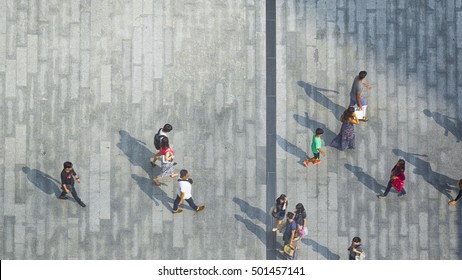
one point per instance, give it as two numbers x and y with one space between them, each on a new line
175 203
76 197
155 158
403 192
364 104
315 158
63 194
192 204
386 191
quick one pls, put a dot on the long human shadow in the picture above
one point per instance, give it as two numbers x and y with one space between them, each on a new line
292 149
315 93
42 181
136 151
328 135
252 227
449 124
323 250
440 182
251 211
367 180
154 192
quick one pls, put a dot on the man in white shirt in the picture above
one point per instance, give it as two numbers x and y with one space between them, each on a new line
184 193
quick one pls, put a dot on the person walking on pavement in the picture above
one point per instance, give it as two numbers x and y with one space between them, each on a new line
356 250
289 231
300 221
161 134
316 144
346 138
454 202
184 192
357 91
67 183
397 178
279 210
167 160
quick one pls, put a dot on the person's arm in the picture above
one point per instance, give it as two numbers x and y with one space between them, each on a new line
353 119
358 100
292 234
76 176
322 152
65 188
368 86
181 198
356 250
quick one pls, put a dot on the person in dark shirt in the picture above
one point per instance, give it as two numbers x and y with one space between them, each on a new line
67 183
355 250
454 202
289 232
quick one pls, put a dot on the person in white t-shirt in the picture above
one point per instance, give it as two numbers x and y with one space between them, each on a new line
184 193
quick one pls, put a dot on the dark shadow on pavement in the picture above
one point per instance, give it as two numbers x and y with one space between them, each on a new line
43 181
449 124
154 192
136 151
367 180
251 211
316 95
323 250
252 227
440 182
328 135
292 149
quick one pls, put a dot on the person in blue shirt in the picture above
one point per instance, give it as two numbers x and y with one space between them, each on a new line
289 232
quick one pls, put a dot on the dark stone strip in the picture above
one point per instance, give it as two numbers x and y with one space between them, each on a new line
270 123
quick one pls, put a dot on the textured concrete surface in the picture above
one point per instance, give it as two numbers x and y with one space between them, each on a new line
91 81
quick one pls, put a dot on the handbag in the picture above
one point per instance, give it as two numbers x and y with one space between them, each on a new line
360 257
397 184
289 250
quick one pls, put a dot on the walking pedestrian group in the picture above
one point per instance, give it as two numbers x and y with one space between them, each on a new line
292 225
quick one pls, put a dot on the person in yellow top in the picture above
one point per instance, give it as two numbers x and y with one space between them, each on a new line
454 202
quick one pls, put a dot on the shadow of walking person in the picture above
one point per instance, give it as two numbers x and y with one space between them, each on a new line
328 135
367 180
251 211
136 151
43 181
292 149
315 93
449 124
323 250
252 227
440 182
153 192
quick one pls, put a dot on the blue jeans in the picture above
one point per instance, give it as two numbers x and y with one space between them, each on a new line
403 191
355 102
189 200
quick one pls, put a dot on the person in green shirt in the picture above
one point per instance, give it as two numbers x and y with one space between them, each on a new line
316 144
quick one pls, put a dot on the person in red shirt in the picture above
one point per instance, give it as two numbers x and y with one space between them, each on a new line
397 174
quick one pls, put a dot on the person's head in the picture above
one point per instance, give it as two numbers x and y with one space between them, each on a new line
460 184
290 216
348 112
299 208
282 198
167 128
184 174
356 240
67 166
164 143
319 131
362 75
401 164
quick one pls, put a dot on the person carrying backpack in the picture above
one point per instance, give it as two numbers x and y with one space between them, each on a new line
161 133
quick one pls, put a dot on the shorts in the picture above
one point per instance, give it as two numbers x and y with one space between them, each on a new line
316 155
354 102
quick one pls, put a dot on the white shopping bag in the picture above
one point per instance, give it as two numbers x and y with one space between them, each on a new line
359 113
